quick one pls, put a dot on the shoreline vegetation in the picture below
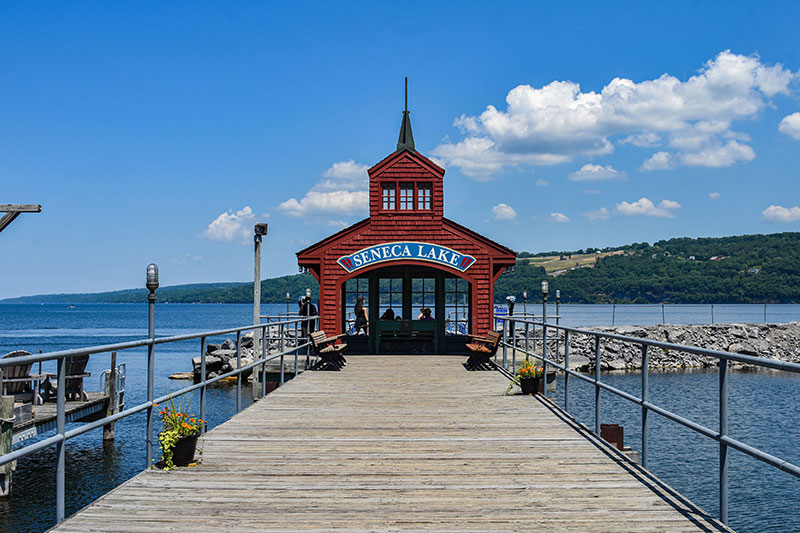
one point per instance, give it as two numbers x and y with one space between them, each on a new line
742 269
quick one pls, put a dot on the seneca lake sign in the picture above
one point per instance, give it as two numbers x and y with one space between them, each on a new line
406 250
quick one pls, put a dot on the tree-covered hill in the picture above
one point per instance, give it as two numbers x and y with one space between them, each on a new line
741 269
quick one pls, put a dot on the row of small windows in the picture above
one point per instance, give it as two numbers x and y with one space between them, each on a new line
408 194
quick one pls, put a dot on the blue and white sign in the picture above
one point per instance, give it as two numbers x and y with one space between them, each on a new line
406 250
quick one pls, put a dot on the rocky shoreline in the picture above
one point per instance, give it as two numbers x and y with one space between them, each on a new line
772 341
221 358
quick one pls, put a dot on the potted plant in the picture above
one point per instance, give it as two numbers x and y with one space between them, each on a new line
178 438
528 377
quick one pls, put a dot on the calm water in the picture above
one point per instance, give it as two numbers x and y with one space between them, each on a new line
763 406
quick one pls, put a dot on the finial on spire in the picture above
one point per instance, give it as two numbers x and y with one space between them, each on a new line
406 139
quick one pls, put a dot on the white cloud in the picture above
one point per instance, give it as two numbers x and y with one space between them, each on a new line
777 213
343 191
504 212
600 214
657 161
790 125
186 259
339 224
558 217
719 156
645 139
542 183
645 207
714 195
231 226
346 169
589 172
558 122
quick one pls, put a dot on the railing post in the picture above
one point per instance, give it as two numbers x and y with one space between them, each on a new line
505 353
712 313
645 399
264 359
723 448
663 318
238 367
544 358
296 348
61 429
527 343
597 384
514 348
566 371
281 346
203 381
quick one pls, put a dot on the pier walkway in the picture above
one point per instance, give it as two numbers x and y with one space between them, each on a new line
397 443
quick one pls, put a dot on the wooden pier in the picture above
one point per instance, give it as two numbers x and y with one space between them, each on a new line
398 443
44 416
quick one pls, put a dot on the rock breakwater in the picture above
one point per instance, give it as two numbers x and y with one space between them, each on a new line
772 341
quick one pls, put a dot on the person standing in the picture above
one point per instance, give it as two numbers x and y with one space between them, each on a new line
362 322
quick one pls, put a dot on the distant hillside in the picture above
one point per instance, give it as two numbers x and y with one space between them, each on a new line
741 269
272 291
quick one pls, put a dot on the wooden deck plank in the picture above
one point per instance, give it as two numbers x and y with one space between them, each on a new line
397 443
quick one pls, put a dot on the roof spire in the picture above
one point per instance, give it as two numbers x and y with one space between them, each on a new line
406 139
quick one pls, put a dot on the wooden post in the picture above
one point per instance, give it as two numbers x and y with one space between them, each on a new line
6 432
113 397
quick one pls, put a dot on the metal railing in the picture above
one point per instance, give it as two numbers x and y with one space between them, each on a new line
280 328
720 435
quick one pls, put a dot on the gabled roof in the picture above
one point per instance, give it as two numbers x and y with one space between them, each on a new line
406 153
449 224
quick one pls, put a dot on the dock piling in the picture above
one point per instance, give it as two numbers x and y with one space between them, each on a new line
6 432
110 390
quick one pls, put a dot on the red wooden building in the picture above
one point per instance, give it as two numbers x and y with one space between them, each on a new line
407 256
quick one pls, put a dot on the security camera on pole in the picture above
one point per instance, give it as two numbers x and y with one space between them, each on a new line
259 231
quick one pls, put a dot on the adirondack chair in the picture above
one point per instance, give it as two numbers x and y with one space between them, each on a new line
329 353
74 372
482 349
19 382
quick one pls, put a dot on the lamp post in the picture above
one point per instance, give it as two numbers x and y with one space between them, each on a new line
525 303
287 304
545 290
152 285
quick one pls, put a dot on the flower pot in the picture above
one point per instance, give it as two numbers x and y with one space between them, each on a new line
183 452
529 385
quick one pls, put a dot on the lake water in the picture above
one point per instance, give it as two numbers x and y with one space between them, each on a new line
763 405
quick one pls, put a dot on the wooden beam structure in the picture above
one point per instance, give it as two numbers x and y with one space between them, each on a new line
398 443
12 211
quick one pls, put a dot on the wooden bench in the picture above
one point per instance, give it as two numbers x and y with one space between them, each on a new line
330 353
74 372
482 349
19 382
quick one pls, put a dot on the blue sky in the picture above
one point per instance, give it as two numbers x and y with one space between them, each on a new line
163 131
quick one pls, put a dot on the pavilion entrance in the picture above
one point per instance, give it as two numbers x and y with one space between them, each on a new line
396 298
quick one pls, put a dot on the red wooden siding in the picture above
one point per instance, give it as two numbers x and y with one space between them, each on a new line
424 226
